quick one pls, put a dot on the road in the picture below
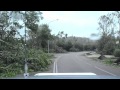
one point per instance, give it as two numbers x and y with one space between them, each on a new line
76 62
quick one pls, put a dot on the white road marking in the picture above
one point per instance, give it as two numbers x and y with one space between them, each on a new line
105 71
55 69
43 74
101 69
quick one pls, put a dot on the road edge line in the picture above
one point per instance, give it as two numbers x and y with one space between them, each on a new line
105 71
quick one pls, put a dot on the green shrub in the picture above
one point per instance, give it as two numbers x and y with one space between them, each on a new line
51 50
117 53
108 61
50 55
60 50
74 49
38 60
12 64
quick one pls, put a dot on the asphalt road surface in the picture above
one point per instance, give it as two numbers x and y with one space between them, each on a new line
76 62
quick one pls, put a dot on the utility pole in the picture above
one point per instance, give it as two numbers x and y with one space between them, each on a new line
26 74
48 36
48 46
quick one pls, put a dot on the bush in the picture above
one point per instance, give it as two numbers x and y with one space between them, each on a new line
38 60
51 50
108 61
74 49
12 64
60 50
117 53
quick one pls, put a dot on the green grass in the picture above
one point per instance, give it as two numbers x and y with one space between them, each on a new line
108 61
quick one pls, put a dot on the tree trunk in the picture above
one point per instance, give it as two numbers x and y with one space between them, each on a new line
101 56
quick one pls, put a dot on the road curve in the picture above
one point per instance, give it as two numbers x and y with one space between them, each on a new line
76 62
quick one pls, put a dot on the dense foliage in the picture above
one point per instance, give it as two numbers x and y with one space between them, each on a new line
12 43
109 32
117 53
33 45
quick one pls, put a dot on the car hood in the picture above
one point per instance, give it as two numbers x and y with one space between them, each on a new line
71 76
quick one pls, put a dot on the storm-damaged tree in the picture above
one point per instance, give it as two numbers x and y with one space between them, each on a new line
106 43
12 43
117 50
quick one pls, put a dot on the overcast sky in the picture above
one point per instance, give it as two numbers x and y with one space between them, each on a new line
76 23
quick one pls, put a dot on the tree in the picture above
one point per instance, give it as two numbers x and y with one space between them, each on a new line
117 19
106 28
68 45
61 39
12 43
40 38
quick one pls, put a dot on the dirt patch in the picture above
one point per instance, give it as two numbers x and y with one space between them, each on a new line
95 55
108 60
